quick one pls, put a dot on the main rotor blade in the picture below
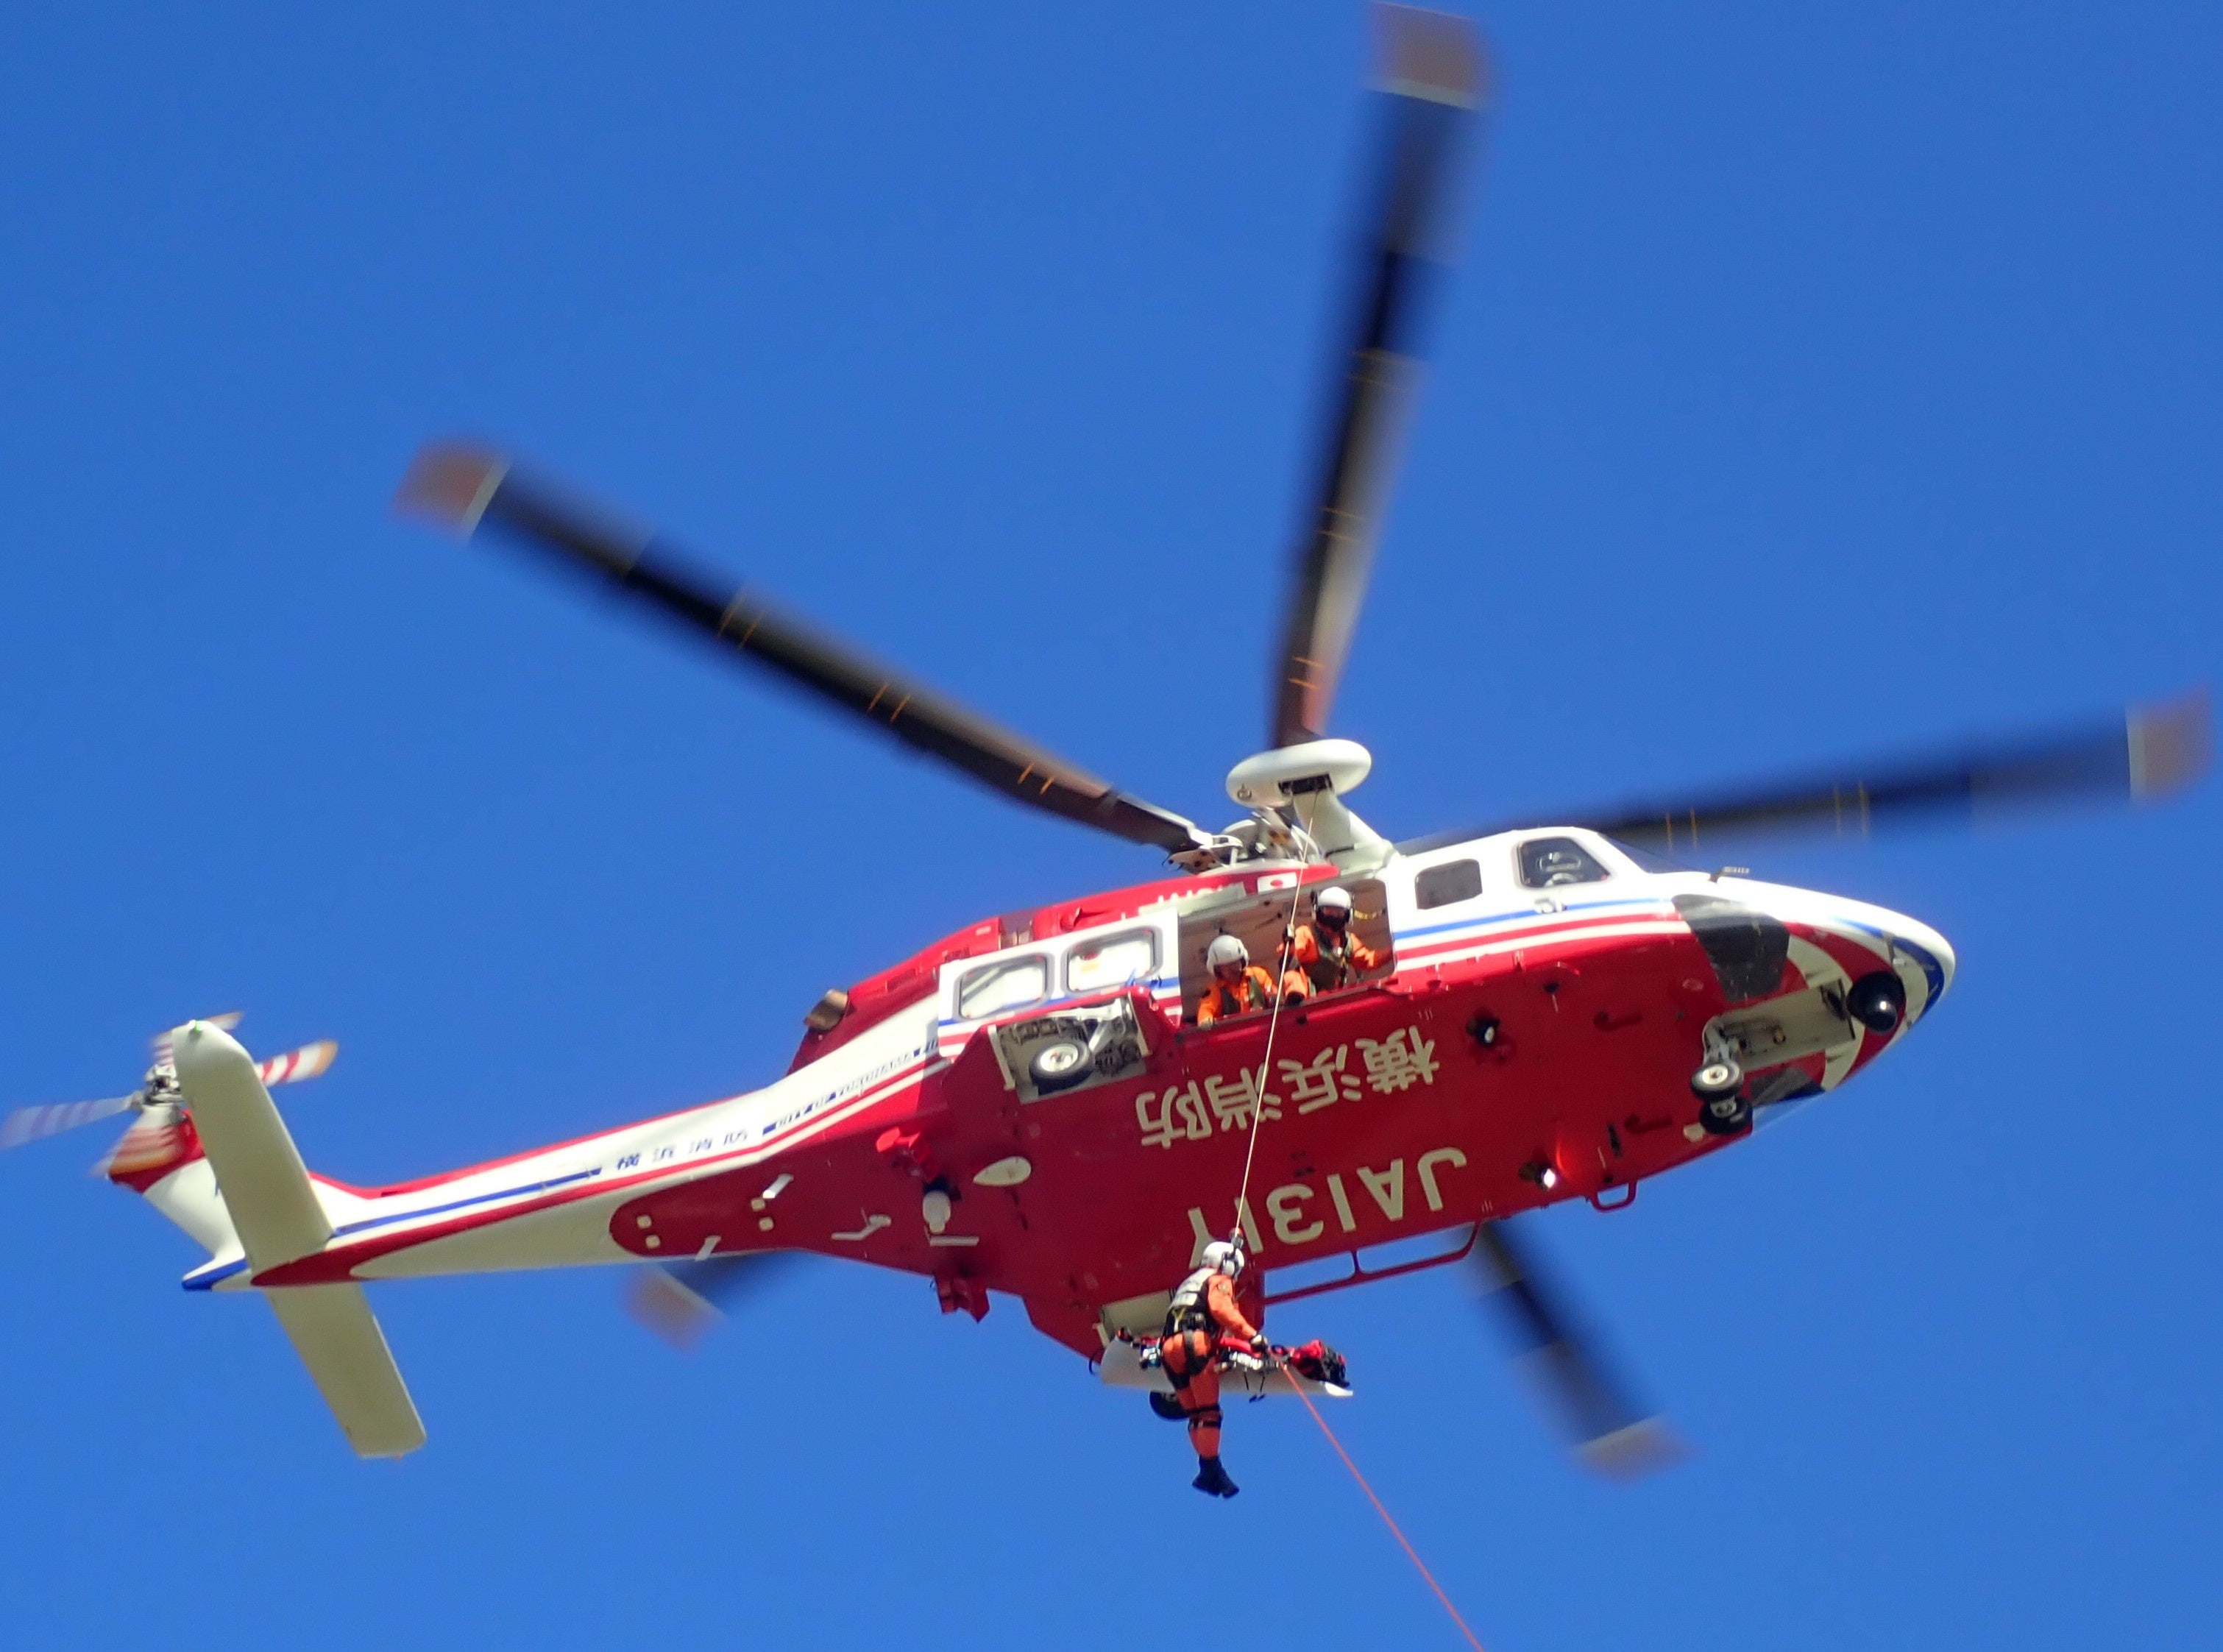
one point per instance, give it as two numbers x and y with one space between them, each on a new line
1609 1431
463 488
27 1124
2143 755
1432 71
681 1301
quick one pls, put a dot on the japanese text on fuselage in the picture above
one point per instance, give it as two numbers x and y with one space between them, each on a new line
1203 1107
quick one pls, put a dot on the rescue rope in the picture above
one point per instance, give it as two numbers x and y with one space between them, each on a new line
1403 1541
1273 1024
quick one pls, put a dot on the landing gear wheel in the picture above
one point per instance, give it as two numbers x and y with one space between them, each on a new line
1168 1406
1724 1115
1059 1064
1718 1077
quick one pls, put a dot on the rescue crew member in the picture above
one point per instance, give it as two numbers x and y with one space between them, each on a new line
1326 955
1203 1320
1238 987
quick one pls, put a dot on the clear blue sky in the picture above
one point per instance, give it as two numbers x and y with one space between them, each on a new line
1812 385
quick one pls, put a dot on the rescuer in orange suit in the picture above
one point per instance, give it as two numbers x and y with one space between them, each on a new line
1326 955
1238 987
1202 1320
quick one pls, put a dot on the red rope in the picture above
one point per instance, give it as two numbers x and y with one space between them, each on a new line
1411 1554
1243 1192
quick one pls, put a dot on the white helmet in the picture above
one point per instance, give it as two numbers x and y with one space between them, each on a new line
1225 1256
1335 895
1225 949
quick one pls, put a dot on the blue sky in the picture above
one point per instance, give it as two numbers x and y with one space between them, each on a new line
1813 385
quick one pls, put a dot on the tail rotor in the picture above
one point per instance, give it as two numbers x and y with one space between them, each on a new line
157 1090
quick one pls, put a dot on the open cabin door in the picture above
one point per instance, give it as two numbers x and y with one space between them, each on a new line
1259 922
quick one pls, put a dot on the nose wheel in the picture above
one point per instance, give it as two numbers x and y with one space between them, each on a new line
1724 1115
1720 1076
1719 1085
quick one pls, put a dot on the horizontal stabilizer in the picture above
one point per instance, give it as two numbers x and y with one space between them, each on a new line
337 1336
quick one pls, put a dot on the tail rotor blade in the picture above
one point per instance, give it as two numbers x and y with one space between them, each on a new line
36 1123
296 1065
1609 1431
154 1141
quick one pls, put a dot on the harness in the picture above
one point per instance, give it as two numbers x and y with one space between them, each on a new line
1225 999
1188 1311
1332 968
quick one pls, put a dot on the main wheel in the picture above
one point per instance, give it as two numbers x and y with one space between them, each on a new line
1168 1406
1719 1078
1060 1062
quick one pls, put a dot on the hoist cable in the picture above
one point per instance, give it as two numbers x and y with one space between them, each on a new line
1395 1531
1273 1024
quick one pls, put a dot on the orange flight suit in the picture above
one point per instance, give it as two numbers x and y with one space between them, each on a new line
1324 968
1190 1358
1253 991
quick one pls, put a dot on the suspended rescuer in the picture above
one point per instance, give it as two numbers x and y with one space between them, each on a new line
1203 1320
1326 956
1238 987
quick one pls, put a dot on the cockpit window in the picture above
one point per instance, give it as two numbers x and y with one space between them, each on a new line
1443 885
1548 862
1116 961
1011 985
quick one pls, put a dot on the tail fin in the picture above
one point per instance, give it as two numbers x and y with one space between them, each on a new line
274 1210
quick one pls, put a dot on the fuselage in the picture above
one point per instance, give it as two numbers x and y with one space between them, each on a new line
1532 1037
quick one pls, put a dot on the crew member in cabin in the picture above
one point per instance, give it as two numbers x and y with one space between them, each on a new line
1204 1321
1238 987
1326 956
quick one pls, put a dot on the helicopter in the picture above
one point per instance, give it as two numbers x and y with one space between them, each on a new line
1032 1107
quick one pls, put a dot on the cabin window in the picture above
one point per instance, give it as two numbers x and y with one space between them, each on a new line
1548 862
1114 962
1442 886
1011 985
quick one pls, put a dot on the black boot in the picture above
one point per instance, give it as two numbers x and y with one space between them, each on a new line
1212 1479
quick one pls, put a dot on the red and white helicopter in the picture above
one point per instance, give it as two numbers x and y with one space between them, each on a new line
1026 1106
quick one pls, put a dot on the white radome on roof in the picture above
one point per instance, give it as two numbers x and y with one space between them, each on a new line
1265 780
